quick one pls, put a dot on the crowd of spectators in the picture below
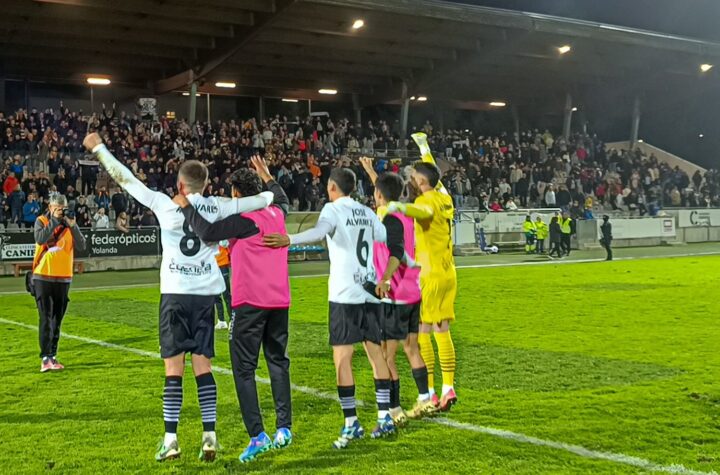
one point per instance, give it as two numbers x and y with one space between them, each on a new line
42 154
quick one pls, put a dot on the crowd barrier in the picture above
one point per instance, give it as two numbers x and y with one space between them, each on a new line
141 248
108 249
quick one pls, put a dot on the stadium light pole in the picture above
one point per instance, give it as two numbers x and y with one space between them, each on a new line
404 112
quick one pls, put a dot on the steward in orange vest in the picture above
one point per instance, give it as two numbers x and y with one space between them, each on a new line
57 237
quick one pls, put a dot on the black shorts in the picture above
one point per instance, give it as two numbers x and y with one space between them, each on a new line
399 320
355 323
187 325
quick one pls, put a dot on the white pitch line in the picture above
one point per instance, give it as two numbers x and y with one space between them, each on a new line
150 354
469 266
503 434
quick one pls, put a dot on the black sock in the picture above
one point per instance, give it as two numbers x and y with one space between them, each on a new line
395 393
172 402
207 398
382 394
421 379
347 400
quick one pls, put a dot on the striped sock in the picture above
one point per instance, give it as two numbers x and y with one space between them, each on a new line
172 402
347 403
446 352
428 355
382 395
207 398
395 393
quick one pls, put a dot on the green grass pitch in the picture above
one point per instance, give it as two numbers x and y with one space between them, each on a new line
618 358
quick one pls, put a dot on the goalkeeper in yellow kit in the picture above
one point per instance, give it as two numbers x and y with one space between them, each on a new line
434 212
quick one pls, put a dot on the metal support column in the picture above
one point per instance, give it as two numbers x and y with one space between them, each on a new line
635 128
193 103
262 109
516 121
208 110
567 120
404 112
357 109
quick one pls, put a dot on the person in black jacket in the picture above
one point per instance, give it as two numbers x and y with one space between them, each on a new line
555 237
606 240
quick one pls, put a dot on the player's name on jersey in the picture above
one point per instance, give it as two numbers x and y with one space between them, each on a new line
203 207
359 218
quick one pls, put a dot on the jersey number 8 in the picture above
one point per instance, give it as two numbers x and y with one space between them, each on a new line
189 244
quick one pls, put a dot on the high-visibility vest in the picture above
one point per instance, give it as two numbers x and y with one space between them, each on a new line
542 229
565 226
223 257
54 259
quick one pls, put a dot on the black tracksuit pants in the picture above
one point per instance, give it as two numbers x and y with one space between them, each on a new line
565 243
250 328
52 301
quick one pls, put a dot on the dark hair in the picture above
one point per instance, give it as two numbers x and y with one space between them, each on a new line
429 171
246 182
390 186
344 178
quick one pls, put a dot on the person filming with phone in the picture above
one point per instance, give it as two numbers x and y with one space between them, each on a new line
57 237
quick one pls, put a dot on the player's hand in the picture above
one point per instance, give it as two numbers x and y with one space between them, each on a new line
382 289
92 141
366 162
261 168
181 200
396 206
276 240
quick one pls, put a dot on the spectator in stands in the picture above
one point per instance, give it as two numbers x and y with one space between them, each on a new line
102 200
17 200
122 223
119 201
550 201
148 219
82 213
495 207
510 205
4 208
31 210
10 183
101 219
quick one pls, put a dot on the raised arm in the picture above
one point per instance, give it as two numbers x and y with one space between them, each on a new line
122 175
366 162
426 155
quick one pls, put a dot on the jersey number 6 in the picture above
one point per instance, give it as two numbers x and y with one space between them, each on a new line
362 249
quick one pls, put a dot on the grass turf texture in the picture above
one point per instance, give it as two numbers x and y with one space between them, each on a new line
618 357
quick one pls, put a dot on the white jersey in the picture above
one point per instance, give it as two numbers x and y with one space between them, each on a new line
188 264
351 228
